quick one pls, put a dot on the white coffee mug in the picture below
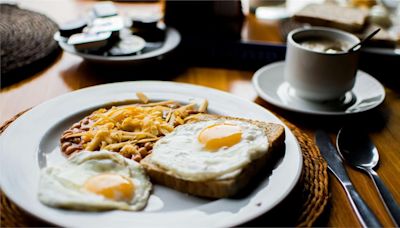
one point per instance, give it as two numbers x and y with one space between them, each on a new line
316 75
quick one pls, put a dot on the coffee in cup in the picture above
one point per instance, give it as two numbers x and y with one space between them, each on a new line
324 45
318 66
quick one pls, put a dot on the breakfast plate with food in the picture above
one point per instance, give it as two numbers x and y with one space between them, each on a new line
148 153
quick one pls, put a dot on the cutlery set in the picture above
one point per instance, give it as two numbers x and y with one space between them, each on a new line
357 150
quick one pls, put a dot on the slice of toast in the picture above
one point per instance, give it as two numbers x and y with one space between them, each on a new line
346 18
382 39
221 187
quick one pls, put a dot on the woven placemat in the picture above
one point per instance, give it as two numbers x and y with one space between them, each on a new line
27 43
314 187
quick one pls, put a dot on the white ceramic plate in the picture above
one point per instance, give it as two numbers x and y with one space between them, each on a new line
32 142
366 94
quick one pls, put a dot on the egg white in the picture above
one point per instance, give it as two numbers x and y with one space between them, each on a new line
181 155
62 186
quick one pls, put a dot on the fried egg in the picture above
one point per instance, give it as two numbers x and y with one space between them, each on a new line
209 149
95 181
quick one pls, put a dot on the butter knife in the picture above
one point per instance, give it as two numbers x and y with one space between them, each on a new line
335 165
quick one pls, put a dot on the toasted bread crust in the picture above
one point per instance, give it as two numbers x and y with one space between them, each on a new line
349 19
224 187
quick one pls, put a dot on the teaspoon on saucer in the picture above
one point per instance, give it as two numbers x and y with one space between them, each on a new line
363 41
359 151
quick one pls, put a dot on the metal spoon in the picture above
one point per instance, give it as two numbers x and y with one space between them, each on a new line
362 42
358 150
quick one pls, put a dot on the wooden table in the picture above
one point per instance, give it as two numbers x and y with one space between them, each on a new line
70 73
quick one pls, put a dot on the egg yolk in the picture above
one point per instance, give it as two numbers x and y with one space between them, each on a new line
220 135
111 186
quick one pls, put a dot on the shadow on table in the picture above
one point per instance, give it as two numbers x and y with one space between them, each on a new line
87 74
28 72
385 68
370 121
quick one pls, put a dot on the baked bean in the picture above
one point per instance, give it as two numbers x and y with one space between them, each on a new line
148 146
76 140
142 151
76 125
72 149
65 145
137 157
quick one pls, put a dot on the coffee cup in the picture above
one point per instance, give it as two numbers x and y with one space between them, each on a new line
318 66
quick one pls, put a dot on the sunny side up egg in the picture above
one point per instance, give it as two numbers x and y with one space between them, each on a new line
209 149
95 181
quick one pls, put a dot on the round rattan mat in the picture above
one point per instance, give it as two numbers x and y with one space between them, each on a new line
27 43
314 187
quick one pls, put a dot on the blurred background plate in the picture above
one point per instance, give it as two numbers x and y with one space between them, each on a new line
172 40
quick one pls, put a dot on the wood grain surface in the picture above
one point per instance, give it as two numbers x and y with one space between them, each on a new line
70 73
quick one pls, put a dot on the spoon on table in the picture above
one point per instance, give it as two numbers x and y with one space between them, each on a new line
359 151
353 48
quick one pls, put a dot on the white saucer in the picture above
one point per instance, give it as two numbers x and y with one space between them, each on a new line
366 94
